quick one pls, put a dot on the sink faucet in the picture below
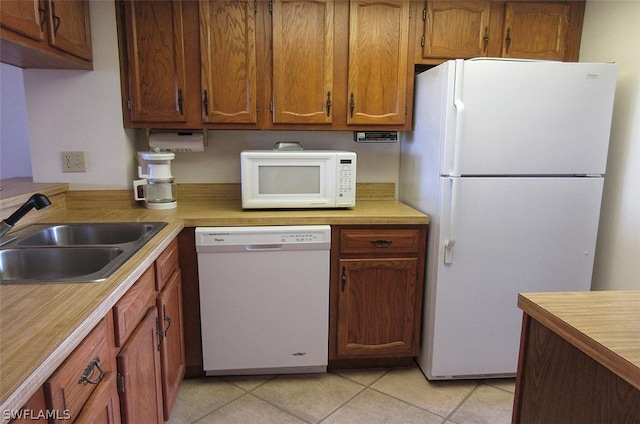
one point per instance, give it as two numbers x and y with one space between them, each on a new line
37 201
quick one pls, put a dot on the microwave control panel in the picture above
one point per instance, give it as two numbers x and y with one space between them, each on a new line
346 182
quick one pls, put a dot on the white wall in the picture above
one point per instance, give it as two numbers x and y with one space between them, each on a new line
80 110
611 33
15 156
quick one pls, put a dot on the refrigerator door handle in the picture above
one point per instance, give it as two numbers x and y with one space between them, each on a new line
459 105
453 216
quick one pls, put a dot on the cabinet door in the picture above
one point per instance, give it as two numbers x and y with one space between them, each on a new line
456 29
172 357
302 61
378 62
24 17
139 374
103 407
155 57
69 28
376 307
228 60
536 30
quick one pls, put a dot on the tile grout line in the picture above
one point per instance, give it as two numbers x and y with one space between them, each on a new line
448 417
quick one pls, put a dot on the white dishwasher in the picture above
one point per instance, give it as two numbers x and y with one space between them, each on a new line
264 299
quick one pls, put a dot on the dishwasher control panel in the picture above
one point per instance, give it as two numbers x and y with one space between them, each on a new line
249 238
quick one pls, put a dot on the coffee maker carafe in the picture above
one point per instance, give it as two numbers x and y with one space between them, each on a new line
157 188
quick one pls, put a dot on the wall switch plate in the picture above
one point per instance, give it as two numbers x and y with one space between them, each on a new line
74 162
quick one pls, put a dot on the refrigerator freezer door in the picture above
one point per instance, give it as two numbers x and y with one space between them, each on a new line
511 235
530 118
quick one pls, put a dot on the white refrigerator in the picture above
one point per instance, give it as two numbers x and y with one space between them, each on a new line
507 157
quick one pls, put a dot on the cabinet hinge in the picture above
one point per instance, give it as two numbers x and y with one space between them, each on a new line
129 104
271 107
424 14
270 7
410 13
422 41
257 107
120 379
255 7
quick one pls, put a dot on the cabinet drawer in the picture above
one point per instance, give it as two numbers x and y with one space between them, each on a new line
67 390
166 263
380 241
130 309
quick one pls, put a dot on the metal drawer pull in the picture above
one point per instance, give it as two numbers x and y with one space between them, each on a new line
89 370
381 243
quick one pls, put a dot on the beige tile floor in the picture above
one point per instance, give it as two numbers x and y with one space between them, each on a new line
402 396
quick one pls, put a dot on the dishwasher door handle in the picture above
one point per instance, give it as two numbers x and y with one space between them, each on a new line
263 247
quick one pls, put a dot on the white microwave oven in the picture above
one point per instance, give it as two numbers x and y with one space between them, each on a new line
273 179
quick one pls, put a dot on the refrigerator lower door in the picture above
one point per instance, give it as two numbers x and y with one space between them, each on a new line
510 235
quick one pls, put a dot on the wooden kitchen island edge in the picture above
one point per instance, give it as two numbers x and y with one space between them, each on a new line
579 358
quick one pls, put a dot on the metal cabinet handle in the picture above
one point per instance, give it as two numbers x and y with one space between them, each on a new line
167 319
486 38
43 15
343 278
89 370
205 103
381 243
328 103
352 105
160 334
56 19
180 101
508 40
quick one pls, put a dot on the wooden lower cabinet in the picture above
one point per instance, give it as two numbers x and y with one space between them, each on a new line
377 279
81 377
104 406
376 307
130 366
172 356
139 376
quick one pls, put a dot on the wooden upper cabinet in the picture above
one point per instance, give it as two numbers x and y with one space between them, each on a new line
156 63
228 60
455 29
378 62
545 30
69 27
24 17
46 34
303 60
536 30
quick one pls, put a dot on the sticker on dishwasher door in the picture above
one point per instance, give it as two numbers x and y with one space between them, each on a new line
299 353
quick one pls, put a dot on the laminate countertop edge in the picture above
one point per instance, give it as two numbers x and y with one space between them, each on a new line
605 325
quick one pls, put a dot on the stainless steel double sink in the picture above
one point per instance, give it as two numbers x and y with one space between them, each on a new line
66 253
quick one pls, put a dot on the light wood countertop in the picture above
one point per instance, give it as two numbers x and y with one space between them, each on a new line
40 325
605 325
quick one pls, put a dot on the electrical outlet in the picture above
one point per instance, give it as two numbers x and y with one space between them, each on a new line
74 162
